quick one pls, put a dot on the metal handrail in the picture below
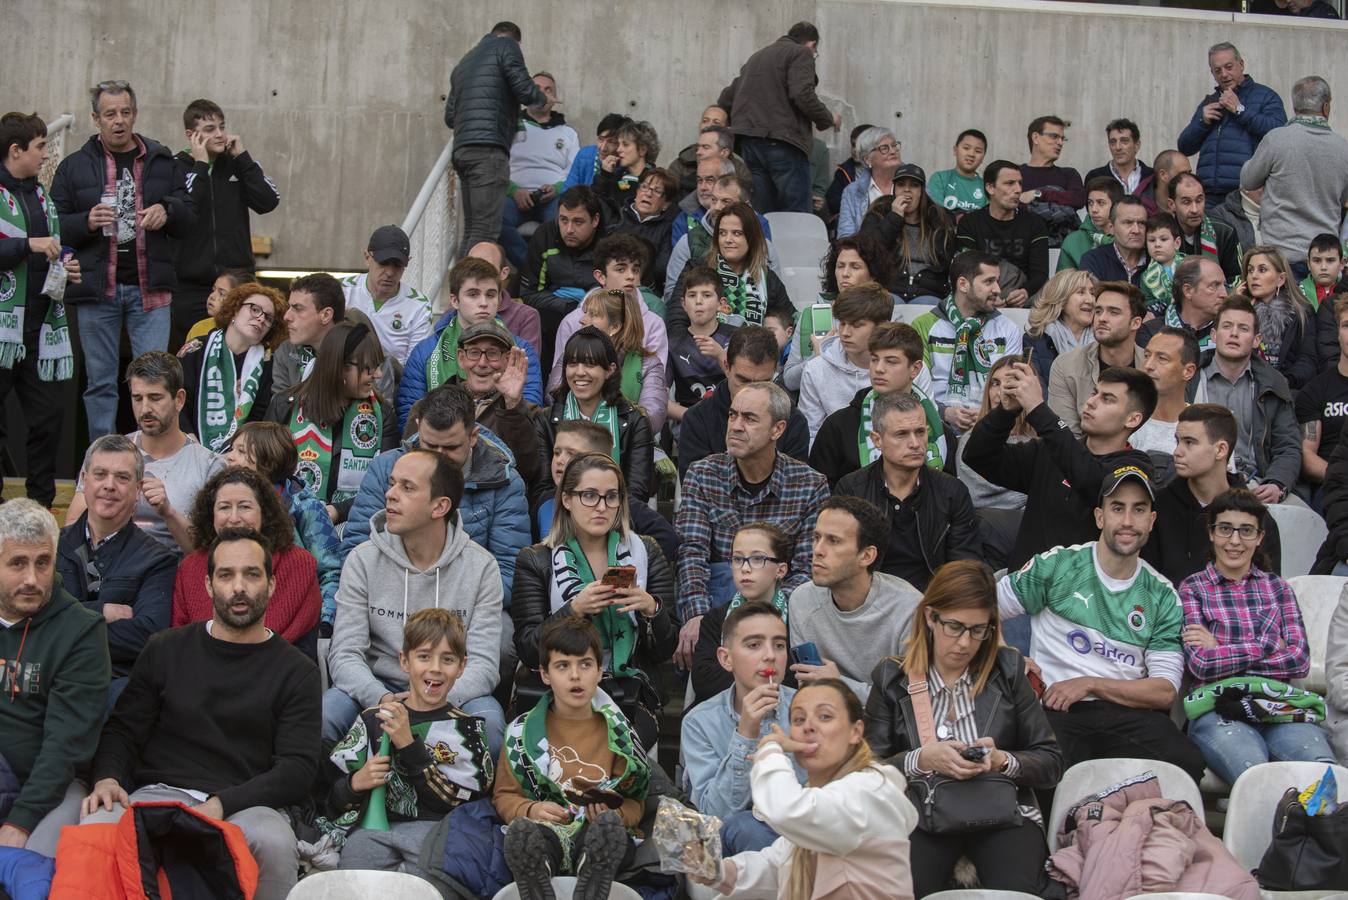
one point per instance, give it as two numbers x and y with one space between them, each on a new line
434 237
57 129
413 217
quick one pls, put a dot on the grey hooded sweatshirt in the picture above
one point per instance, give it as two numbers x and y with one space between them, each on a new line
380 589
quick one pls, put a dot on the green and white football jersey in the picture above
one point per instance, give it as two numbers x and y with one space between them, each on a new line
1085 623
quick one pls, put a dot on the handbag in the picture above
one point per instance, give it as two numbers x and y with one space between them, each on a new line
948 805
1308 852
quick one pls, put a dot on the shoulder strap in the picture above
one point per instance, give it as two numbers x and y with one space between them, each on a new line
921 700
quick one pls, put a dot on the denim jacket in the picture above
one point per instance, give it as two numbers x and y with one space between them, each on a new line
716 760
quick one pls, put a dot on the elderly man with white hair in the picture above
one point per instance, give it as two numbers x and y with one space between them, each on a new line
881 155
1303 169
54 681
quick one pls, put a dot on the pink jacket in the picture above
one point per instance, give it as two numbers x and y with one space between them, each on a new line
1128 840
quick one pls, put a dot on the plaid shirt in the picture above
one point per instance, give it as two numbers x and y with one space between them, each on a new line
1256 622
715 505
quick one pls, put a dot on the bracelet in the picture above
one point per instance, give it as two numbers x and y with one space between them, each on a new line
529 809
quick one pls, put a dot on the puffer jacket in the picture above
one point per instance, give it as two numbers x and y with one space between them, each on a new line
551 265
908 281
127 860
1127 840
494 510
486 90
1223 146
1007 709
773 96
25 875
636 446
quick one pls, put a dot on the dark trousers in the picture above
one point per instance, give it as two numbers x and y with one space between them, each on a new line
1098 729
187 309
484 173
43 404
1007 859
781 175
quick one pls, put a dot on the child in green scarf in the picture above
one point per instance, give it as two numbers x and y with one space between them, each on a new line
1163 242
573 778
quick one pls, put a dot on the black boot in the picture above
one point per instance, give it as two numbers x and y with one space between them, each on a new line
603 849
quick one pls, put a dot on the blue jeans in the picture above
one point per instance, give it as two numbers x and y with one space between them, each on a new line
339 711
741 832
100 326
1230 748
781 175
512 218
721 584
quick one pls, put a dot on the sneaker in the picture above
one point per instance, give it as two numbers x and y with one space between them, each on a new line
602 851
526 853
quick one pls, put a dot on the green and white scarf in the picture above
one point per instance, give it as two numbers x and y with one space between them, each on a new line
1157 281
778 601
529 758
55 358
604 414
304 357
1207 238
868 451
1310 121
1172 319
443 363
964 362
1267 700
362 430
1309 290
617 631
225 396
747 296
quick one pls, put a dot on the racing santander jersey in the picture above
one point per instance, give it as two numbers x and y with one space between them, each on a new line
1085 623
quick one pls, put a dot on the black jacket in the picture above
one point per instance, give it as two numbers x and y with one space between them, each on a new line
702 432
137 571
835 452
636 445
656 232
1231 213
531 602
946 526
78 187
1006 710
15 252
1335 505
223 193
1058 475
1180 545
932 281
486 90
1104 172
1228 248
551 264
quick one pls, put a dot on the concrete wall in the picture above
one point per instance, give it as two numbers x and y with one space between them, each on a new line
342 102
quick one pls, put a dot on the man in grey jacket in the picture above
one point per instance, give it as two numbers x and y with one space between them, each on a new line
1303 169
417 544
486 90
772 104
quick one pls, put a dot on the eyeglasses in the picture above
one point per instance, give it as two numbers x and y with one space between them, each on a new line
1053 136
651 187
752 561
895 147
473 354
1224 530
258 312
955 629
591 498
364 370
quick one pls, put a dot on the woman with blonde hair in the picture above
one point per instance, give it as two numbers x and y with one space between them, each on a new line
958 707
844 833
1061 320
641 373
1287 338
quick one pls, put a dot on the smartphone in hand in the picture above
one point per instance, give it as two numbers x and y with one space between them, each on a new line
620 576
807 654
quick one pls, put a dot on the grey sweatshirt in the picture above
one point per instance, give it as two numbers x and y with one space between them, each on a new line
1304 173
380 589
858 640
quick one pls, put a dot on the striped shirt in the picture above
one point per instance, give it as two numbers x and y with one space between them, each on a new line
1255 620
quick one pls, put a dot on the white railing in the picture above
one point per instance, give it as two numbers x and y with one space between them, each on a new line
433 226
57 130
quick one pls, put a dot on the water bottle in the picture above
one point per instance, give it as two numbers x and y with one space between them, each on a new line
109 198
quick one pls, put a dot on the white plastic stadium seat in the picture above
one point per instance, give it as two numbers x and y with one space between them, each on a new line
362 884
978 894
565 886
1318 597
1176 895
1095 775
1053 255
1301 531
1249 815
908 312
802 285
1017 314
323 645
800 239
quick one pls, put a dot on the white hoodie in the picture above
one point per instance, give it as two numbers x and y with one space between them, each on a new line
380 589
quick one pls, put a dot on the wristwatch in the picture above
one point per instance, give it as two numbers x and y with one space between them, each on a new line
1240 109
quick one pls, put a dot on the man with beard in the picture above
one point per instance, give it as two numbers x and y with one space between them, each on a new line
176 465
220 715
1105 633
1119 310
54 680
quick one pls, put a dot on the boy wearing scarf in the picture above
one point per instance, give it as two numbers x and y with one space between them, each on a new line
572 778
35 350
1163 243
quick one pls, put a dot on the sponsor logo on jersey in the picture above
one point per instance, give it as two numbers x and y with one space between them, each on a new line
1081 642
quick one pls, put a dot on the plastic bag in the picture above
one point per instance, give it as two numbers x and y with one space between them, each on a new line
55 284
687 841
1321 798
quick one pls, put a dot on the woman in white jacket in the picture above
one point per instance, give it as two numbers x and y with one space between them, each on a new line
844 833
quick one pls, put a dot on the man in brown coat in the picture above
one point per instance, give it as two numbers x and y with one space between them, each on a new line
772 105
